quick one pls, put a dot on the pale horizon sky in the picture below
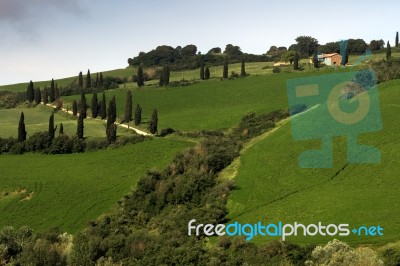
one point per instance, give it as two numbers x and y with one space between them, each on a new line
44 39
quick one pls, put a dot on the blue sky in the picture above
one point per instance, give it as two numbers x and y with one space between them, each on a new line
44 39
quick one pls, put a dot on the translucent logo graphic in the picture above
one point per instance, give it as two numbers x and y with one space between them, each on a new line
337 104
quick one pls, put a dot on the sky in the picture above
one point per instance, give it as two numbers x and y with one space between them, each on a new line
44 39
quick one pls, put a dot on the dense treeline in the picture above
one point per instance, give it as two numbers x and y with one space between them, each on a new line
189 58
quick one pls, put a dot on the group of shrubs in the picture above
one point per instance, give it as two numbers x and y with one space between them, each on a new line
62 144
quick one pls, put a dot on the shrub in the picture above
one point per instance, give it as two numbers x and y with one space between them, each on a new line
18 148
96 144
276 69
166 131
6 144
62 144
39 141
78 145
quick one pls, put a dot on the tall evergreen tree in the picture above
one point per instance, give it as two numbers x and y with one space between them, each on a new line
52 92
397 39
154 122
21 128
30 92
88 80
61 130
161 80
202 71
388 51
103 108
207 73
166 75
83 109
128 107
140 77
80 80
296 61
138 115
74 108
225 71
243 69
80 126
111 128
315 60
38 96
94 105
52 130
101 80
45 96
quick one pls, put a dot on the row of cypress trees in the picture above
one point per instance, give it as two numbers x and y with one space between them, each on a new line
205 71
48 95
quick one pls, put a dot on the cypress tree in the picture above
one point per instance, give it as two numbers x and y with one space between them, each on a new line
388 51
38 96
128 107
80 126
111 128
166 75
94 105
45 96
30 93
61 131
154 122
83 106
80 80
243 69
225 71
202 71
88 80
74 108
296 61
101 80
139 77
103 110
52 130
207 73
162 77
315 60
397 39
138 115
21 128
52 92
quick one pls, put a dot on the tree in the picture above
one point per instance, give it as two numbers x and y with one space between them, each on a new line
52 92
166 74
189 50
96 83
138 115
344 52
21 128
80 80
153 122
61 130
140 77
111 128
306 45
243 69
94 106
52 130
45 97
207 73
83 105
80 126
315 60
397 39
296 61
103 108
30 93
101 80
376 45
388 51
225 71
215 50
56 92
38 96
74 108
232 50
128 107
88 80
288 56
202 71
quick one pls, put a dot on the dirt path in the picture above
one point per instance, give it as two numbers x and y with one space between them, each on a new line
138 131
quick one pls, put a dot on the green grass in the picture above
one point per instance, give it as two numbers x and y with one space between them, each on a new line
272 188
69 190
37 119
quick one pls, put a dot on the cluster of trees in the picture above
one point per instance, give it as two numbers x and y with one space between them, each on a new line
189 58
47 95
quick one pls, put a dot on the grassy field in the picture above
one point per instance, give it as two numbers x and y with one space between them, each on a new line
44 191
272 188
37 119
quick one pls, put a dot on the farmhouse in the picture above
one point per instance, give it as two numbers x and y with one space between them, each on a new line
333 59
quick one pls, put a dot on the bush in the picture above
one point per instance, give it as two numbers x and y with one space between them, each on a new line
39 141
62 144
78 145
96 144
166 131
276 69
6 144
391 256
18 148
